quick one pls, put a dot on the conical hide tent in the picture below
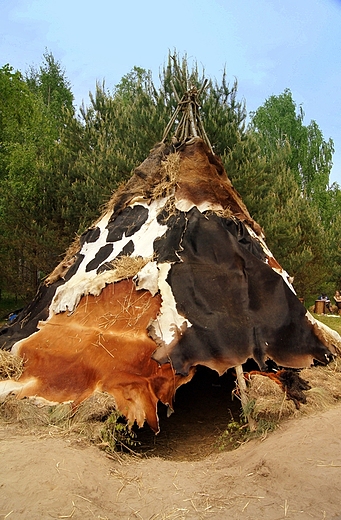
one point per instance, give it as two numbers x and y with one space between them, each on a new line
175 274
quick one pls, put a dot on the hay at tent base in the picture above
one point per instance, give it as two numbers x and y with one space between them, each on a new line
325 385
26 412
28 415
270 403
94 420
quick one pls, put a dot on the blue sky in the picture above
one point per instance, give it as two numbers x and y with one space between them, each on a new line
268 45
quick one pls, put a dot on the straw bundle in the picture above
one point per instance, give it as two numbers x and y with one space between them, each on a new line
10 366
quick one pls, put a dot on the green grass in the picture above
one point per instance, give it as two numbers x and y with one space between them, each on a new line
334 322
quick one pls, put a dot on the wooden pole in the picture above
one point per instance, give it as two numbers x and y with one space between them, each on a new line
244 397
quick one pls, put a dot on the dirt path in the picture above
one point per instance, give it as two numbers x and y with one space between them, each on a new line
295 473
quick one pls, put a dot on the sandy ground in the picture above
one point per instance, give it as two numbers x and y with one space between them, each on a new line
294 473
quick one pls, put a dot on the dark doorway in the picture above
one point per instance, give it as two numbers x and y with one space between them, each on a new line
202 409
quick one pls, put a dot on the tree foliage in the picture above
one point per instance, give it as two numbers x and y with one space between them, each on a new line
29 192
278 123
58 168
307 202
50 84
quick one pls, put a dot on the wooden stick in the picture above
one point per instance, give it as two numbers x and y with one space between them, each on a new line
244 397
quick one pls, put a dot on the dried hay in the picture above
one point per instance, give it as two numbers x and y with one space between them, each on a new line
95 408
87 420
269 401
60 414
169 176
24 412
11 367
325 385
128 266
223 213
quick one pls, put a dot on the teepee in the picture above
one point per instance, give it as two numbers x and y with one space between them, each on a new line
175 274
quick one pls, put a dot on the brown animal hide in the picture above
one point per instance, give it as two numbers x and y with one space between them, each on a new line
102 346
